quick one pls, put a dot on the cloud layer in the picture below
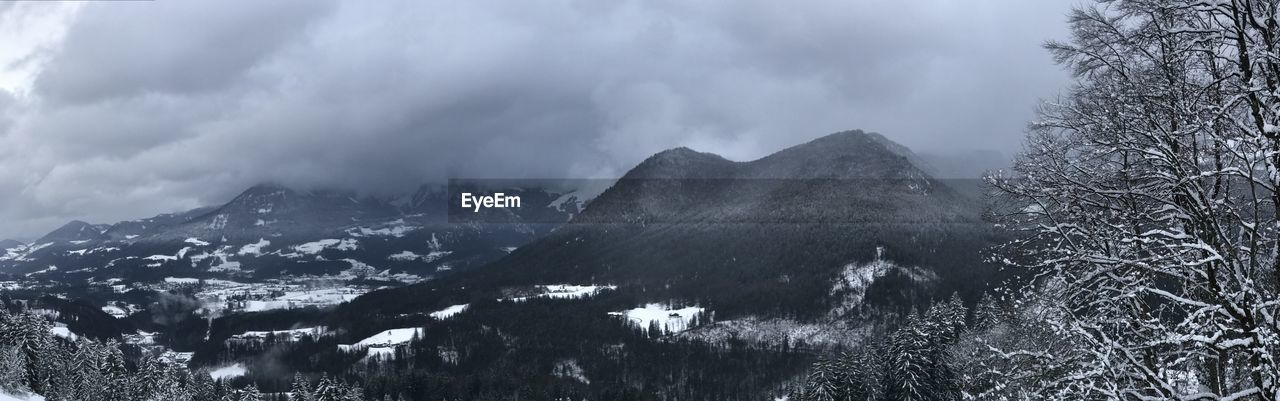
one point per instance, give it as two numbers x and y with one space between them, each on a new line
120 110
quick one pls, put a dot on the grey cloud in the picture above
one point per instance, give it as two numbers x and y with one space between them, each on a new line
131 48
154 107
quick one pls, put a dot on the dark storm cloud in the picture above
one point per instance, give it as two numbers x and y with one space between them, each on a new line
151 107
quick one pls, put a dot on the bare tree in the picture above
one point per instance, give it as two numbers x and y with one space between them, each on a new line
1149 197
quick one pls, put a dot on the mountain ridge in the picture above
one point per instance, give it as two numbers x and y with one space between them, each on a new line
768 236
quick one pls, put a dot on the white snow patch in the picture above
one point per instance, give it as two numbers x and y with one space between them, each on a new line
196 242
254 248
63 331
289 335
45 270
300 299
449 312
385 339
404 256
851 287
396 229
228 372
20 397
181 280
314 247
115 311
668 320
566 291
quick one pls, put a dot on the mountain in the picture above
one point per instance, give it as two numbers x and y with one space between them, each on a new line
724 275
691 257
7 244
270 231
74 231
265 211
783 235
127 230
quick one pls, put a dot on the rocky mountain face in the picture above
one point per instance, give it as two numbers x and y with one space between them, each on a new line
271 230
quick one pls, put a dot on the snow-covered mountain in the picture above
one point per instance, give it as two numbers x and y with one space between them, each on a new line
272 230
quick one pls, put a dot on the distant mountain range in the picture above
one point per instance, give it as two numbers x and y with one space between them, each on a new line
269 230
725 275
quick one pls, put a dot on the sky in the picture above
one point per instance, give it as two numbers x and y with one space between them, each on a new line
112 111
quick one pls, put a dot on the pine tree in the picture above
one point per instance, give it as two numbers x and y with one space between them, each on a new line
301 390
115 372
825 382
250 393
986 313
910 365
11 369
203 387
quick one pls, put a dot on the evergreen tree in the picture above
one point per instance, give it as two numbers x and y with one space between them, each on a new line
825 382
301 390
12 370
250 393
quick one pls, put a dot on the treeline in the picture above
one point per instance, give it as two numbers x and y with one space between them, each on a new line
914 362
537 349
34 360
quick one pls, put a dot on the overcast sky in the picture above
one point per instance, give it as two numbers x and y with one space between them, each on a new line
122 110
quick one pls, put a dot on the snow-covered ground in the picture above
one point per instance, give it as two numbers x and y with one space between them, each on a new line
775 331
383 344
407 256
304 298
254 248
228 372
282 335
115 311
63 331
314 247
181 280
448 312
6 396
851 287
566 291
386 338
219 295
396 229
668 320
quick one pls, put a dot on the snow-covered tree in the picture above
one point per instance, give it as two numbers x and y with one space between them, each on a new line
301 389
250 393
1149 196
826 382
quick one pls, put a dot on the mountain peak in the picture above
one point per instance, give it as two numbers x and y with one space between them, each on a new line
845 154
7 244
267 189
681 162
75 230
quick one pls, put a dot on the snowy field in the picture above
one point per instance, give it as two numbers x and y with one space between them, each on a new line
448 312
668 321
565 291
384 343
